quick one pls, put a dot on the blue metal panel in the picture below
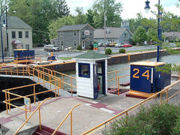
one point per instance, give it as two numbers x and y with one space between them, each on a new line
95 80
139 81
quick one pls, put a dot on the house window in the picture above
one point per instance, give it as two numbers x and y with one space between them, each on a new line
75 43
83 33
27 34
13 34
84 70
20 34
91 33
61 34
27 46
75 33
62 43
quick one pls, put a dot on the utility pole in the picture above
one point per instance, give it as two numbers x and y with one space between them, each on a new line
105 18
1 34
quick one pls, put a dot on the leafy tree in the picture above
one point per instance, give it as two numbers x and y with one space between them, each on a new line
55 25
112 11
152 35
140 35
81 17
90 17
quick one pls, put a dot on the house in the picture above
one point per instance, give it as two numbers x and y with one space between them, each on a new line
172 36
74 35
19 35
113 34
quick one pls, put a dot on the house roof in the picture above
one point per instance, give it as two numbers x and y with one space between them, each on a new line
16 23
113 32
172 34
92 55
74 27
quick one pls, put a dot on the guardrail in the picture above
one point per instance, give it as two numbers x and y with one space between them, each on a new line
70 113
126 112
38 108
66 80
114 79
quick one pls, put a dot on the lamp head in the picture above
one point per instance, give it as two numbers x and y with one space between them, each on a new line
147 7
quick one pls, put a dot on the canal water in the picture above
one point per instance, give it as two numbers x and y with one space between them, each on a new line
124 69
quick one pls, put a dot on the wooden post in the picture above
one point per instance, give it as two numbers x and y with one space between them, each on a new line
34 92
40 118
25 111
6 102
71 123
129 58
71 87
9 101
160 98
167 96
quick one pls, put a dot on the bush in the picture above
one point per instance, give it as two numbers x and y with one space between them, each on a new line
158 120
108 51
176 130
122 51
79 47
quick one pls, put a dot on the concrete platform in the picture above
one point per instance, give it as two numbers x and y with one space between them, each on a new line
89 114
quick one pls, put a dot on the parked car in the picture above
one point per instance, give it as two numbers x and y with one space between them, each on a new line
127 45
113 44
119 45
51 48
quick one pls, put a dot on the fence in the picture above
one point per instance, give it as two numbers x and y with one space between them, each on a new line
133 108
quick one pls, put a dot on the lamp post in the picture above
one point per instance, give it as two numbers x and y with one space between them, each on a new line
147 8
1 25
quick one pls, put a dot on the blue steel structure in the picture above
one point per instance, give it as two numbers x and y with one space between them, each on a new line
23 54
146 78
147 7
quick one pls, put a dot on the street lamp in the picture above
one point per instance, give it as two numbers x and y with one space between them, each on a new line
147 8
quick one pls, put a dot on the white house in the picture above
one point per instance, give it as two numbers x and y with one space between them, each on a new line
19 36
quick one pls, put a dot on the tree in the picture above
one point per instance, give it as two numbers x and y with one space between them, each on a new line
152 35
56 24
140 35
112 11
81 17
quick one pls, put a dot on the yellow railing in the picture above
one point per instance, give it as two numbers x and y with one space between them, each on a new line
65 79
126 112
27 59
70 113
114 78
38 108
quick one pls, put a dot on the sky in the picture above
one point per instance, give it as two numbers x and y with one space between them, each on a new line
130 7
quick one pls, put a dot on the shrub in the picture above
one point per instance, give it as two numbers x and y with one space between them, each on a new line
108 51
79 47
156 120
176 130
122 51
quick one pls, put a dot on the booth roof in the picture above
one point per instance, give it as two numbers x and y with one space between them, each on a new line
92 55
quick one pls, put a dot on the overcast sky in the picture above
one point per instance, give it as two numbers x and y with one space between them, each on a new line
130 7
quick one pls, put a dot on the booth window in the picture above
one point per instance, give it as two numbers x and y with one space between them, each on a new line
84 70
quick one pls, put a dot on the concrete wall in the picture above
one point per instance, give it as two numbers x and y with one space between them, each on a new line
117 59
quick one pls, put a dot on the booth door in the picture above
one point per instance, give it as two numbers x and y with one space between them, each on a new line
95 80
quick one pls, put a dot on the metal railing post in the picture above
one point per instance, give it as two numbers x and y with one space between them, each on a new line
71 123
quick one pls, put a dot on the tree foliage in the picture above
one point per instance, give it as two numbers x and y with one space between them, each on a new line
140 35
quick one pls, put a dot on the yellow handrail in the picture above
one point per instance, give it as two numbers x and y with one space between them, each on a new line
38 108
70 113
130 109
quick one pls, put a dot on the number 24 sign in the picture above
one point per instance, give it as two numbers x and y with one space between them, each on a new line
137 74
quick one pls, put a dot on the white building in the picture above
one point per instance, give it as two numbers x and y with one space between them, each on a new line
19 35
91 75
